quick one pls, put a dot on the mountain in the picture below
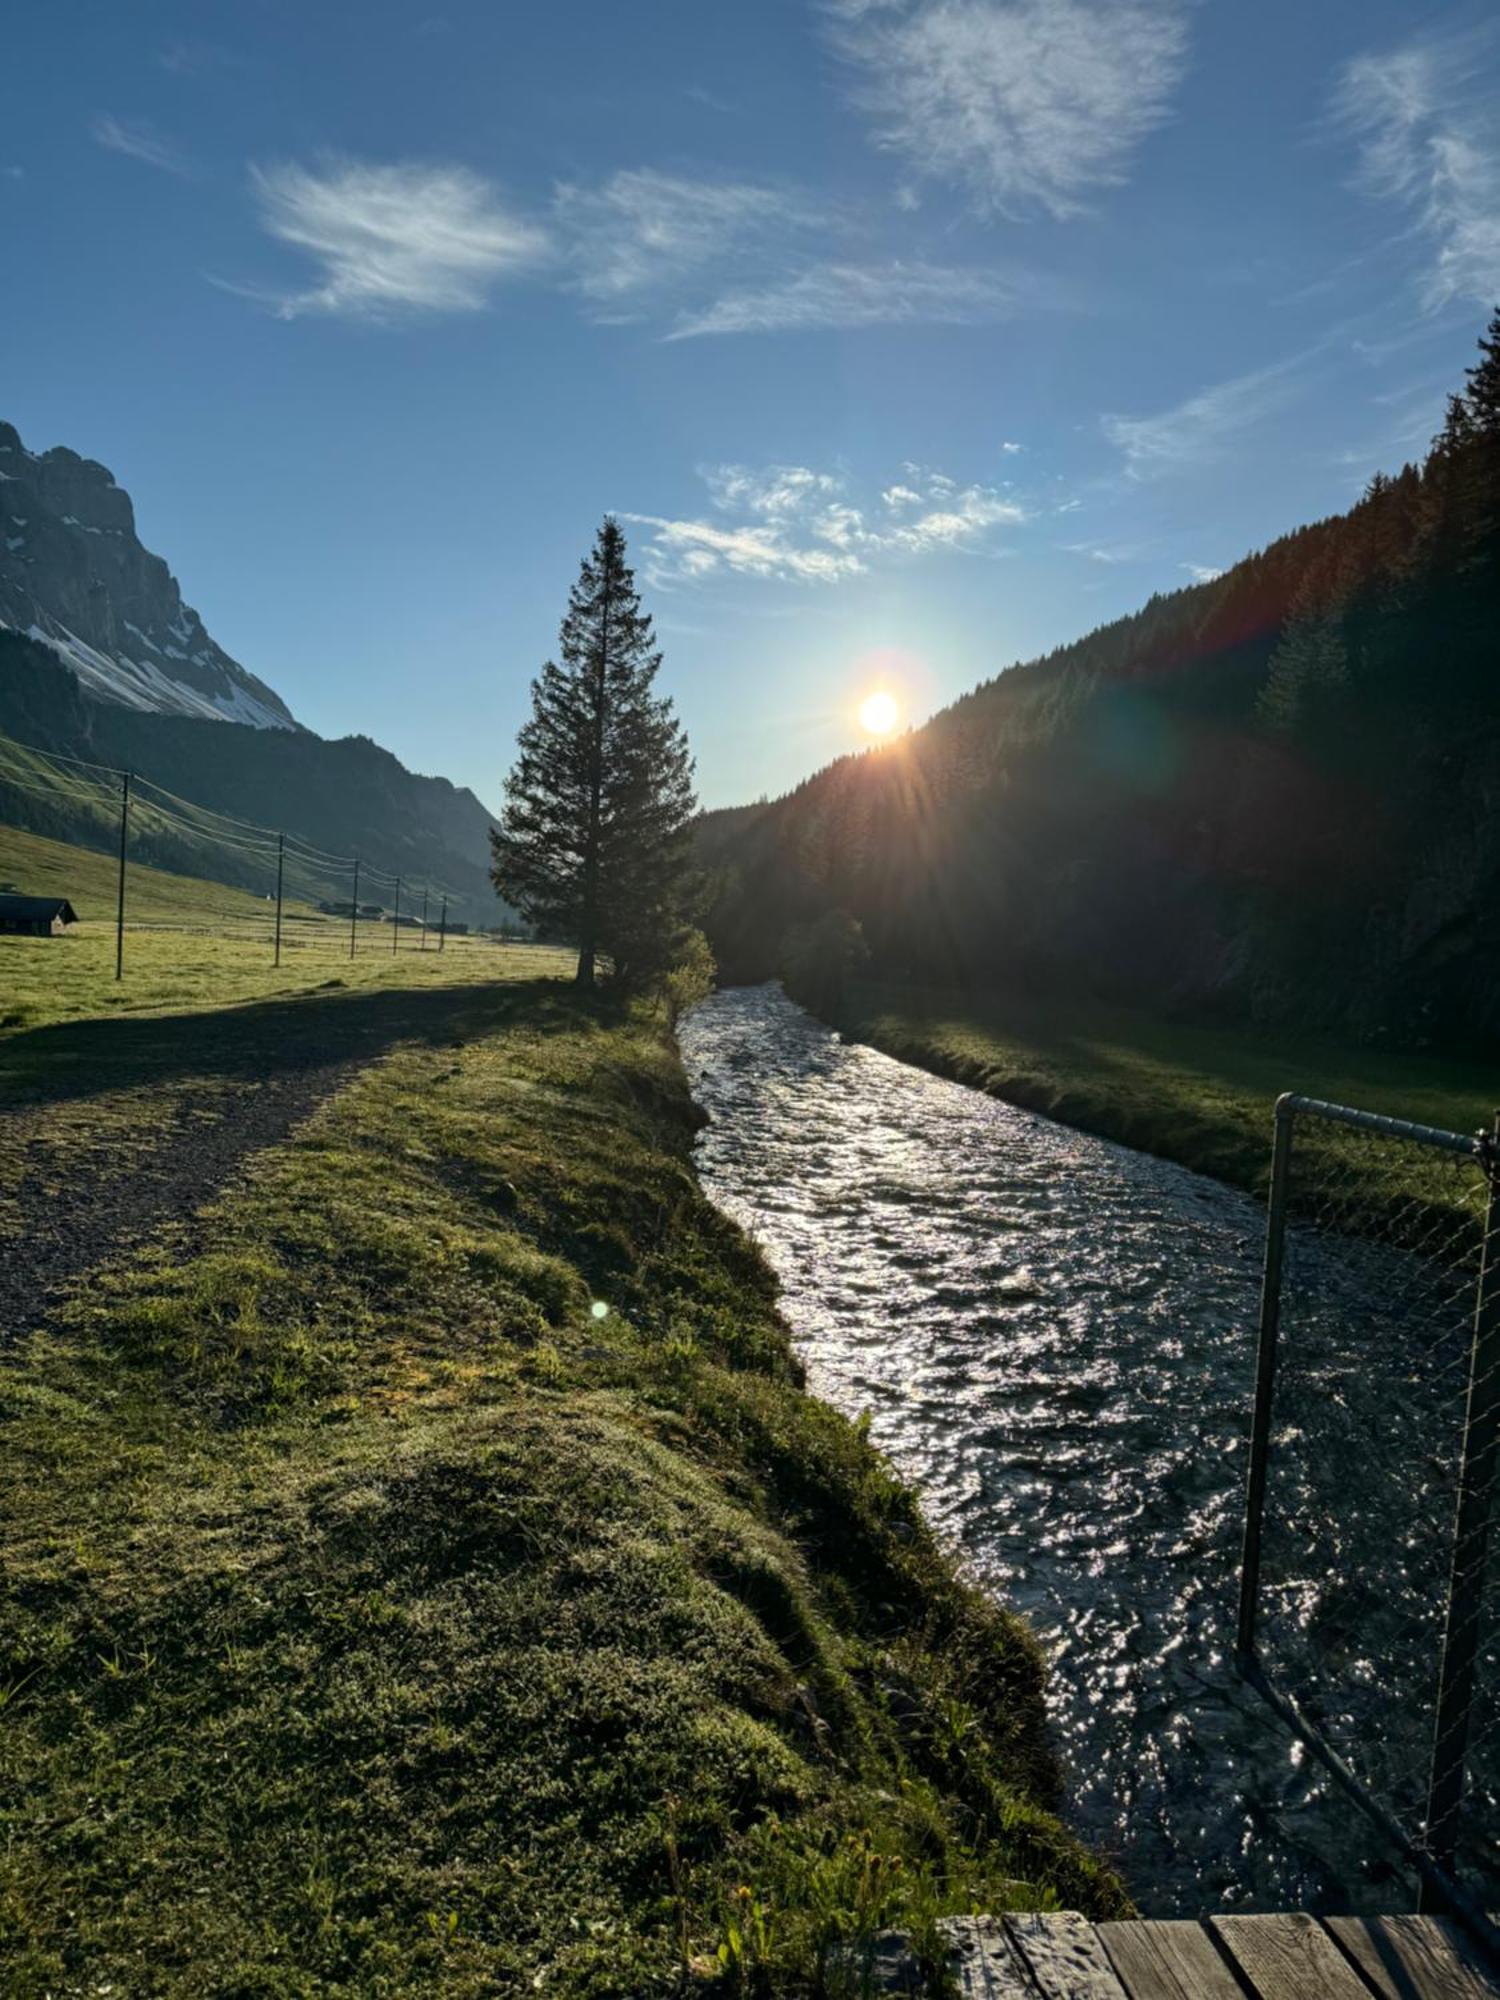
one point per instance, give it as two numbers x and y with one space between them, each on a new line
1273 796
101 659
74 576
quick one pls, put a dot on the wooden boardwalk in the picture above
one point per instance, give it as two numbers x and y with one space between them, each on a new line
1222 1958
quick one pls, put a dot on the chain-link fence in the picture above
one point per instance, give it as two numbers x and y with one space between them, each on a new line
1364 1615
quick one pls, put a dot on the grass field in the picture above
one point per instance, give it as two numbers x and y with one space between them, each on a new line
1200 1095
424 1573
193 944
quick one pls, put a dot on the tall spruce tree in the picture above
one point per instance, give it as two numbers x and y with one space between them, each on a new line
593 843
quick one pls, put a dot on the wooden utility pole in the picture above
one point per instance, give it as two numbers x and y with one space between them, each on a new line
120 903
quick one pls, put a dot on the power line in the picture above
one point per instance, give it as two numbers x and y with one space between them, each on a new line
200 826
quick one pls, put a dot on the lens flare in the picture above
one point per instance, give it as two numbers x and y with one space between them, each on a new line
880 712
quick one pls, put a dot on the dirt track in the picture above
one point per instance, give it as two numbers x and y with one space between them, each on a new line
108 1130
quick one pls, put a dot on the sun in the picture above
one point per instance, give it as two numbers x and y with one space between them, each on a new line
880 712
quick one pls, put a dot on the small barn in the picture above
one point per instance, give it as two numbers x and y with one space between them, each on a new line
35 916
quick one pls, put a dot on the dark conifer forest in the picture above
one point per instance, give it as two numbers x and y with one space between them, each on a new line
1273 796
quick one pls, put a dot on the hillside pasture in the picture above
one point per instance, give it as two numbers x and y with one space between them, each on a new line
192 944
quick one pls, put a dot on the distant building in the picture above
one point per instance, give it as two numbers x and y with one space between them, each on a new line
457 930
371 913
35 916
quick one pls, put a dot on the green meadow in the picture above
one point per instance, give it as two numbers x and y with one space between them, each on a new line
192 944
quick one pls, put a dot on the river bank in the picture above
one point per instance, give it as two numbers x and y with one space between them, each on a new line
1200 1095
424 1571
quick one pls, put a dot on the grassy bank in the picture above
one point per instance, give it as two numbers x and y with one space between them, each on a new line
427 1575
1202 1096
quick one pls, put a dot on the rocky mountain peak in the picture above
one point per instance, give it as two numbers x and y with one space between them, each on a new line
74 575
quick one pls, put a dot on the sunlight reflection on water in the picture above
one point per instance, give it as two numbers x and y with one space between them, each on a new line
1055 1339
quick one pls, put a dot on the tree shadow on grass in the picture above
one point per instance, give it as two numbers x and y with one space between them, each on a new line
268 1039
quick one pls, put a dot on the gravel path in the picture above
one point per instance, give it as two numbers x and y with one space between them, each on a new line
123 1126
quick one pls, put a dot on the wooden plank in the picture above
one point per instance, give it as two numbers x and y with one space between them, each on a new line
985 1965
1161 1960
1414 1958
1065 1957
1290 1958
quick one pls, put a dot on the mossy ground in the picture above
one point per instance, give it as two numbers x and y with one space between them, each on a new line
1200 1095
377 1617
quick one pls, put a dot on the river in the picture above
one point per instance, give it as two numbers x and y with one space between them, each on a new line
1054 1337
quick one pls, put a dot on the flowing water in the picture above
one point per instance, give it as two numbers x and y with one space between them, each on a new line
1055 1339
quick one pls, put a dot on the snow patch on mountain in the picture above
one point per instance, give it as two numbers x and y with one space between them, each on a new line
141 685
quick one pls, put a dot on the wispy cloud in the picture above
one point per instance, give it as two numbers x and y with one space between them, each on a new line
1024 103
1423 118
392 239
1203 426
641 232
137 141
183 57
687 550
1109 553
691 256
803 526
1202 572
854 295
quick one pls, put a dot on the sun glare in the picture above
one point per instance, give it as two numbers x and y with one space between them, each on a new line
879 712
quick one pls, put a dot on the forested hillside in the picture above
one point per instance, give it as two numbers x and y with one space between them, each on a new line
347 797
1275 795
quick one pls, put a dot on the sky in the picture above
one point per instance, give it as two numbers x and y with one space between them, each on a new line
907 338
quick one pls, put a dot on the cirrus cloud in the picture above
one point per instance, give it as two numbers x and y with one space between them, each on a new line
392 239
641 231
1423 119
1026 104
854 295
137 140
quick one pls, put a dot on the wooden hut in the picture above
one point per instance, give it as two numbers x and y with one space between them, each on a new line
35 916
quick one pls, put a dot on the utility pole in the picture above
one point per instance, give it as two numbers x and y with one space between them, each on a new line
396 917
280 867
443 926
354 910
120 904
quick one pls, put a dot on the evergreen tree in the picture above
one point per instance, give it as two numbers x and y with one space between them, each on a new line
593 840
1483 392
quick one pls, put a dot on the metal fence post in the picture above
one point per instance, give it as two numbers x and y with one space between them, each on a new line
280 870
424 919
120 902
443 926
396 917
1450 1743
1265 1378
354 910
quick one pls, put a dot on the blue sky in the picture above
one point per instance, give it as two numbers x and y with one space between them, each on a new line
909 337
